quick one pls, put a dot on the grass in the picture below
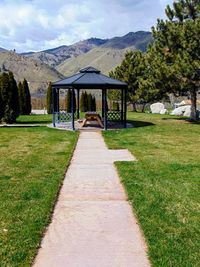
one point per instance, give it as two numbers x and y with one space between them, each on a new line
33 163
163 185
34 119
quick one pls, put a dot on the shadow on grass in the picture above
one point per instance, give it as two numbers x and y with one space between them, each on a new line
183 119
137 124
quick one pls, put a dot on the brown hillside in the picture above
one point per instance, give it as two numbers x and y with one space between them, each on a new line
104 59
36 73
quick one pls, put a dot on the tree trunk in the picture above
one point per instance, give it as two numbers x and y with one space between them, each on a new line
143 107
193 115
134 107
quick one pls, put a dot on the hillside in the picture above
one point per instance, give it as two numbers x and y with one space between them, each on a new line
37 74
137 40
55 56
104 59
107 56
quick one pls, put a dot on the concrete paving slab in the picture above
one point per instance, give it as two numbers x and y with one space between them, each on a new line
93 224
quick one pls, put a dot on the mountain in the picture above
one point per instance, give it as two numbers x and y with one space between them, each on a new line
37 74
137 40
2 49
104 59
107 56
55 56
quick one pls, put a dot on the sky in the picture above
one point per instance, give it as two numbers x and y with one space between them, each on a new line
35 25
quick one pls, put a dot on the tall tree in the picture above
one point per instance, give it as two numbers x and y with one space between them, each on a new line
129 71
93 104
21 98
177 45
27 97
9 98
89 96
49 99
69 101
1 103
14 101
84 102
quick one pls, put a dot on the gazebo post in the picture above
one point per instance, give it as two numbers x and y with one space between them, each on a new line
125 106
72 108
78 103
58 104
102 104
105 109
53 106
122 105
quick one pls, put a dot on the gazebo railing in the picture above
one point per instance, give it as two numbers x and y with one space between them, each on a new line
62 116
114 116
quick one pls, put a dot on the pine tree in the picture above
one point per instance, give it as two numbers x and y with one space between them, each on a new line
1 103
93 103
27 98
9 98
89 97
84 102
69 101
49 99
14 102
177 46
21 98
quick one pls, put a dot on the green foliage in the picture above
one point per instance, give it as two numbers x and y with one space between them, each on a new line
177 47
69 101
9 100
89 96
21 97
93 104
49 99
136 71
24 98
27 98
84 102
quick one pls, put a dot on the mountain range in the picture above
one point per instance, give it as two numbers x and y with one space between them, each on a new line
53 64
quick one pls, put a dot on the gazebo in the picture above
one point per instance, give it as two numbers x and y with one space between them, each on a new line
89 78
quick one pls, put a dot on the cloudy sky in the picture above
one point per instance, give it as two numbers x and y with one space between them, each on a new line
32 25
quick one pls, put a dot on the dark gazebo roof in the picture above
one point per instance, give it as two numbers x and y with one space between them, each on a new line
90 78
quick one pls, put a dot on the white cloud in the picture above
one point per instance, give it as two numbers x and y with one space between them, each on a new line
37 25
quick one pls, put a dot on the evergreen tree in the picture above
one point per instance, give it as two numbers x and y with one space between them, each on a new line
49 99
21 98
14 102
27 98
9 98
93 104
69 101
89 97
74 97
1 103
177 46
84 102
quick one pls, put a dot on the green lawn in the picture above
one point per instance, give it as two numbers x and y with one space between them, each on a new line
35 119
163 185
33 163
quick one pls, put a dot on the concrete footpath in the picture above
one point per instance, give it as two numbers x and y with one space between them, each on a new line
93 224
